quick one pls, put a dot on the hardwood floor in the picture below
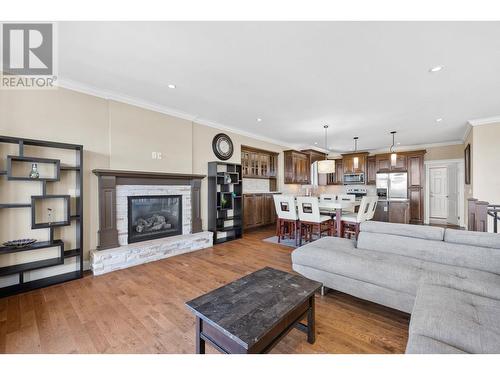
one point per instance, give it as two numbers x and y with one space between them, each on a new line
141 309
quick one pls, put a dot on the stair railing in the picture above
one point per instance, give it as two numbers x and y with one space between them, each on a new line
494 212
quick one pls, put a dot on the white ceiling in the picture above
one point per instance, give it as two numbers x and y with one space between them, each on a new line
362 78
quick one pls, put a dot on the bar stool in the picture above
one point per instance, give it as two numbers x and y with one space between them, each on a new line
311 221
348 198
286 224
351 221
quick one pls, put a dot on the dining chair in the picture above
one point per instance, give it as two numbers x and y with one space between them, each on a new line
311 221
348 198
325 198
350 222
286 210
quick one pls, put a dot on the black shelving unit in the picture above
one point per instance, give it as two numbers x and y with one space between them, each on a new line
74 219
225 202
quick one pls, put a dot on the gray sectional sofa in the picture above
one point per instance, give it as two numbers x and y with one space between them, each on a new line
448 280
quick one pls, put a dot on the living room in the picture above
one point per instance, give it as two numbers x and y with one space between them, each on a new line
182 187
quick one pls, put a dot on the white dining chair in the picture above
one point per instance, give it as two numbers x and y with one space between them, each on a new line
311 221
350 222
286 210
348 198
326 198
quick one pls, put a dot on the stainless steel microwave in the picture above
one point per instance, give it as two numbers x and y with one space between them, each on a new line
354 178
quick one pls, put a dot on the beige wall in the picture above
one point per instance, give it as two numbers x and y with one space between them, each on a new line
135 133
56 115
445 152
202 154
485 162
114 135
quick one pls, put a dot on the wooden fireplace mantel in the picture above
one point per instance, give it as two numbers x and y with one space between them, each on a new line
108 179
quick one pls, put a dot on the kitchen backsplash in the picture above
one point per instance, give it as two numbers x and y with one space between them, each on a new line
255 185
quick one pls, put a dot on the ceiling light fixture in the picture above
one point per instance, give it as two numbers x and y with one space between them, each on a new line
171 86
356 159
326 166
436 69
439 119
394 156
259 120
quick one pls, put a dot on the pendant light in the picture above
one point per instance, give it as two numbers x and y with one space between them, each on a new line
356 159
394 156
326 166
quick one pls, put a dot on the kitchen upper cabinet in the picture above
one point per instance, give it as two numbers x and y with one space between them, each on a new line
349 165
400 163
336 178
314 155
415 170
297 167
383 163
371 173
258 163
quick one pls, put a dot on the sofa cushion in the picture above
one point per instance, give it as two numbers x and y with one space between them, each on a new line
474 257
406 230
465 321
483 239
339 256
392 271
419 344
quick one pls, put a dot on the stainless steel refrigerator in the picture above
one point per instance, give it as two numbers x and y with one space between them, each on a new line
395 184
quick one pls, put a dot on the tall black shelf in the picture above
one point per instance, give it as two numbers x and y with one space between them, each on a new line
225 202
74 219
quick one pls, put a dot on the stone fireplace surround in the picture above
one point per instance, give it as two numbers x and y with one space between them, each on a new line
113 251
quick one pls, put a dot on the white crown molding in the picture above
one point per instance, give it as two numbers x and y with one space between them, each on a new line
406 148
467 131
110 95
485 121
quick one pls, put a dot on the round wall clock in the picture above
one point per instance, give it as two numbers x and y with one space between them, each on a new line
222 146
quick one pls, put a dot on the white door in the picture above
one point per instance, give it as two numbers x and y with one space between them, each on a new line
438 184
452 194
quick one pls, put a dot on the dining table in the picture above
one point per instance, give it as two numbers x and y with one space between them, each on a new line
335 207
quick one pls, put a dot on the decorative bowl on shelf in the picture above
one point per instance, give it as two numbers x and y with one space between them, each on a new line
20 243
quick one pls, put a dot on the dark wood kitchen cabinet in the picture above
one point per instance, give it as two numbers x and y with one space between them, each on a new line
399 212
336 178
297 167
258 163
258 210
314 155
416 185
392 212
349 165
383 163
371 170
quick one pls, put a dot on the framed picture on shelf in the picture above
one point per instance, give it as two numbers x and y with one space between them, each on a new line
467 165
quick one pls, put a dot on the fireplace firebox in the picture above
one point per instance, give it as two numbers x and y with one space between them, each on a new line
154 216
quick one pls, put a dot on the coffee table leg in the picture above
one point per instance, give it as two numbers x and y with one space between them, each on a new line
200 343
311 322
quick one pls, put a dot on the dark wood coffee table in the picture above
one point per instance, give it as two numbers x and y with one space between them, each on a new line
251 314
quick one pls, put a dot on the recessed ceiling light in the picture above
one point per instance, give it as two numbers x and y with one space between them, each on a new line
436 68
398 143
171 86
439 119
315 143
259 120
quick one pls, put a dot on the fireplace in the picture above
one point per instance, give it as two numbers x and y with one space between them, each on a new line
154 216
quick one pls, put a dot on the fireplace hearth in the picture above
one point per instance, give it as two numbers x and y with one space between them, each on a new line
154 216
